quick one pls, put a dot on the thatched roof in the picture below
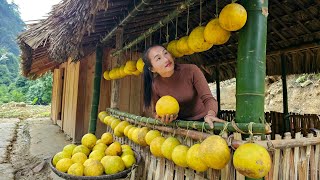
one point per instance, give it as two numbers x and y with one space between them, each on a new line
75 28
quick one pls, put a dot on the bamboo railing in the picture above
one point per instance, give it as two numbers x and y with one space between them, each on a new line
293 157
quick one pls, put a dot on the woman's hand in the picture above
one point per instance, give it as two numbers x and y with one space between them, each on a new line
210 119
167 118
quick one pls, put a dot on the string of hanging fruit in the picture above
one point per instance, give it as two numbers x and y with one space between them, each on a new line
217 32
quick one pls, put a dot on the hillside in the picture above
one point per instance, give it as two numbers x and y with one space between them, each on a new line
303 94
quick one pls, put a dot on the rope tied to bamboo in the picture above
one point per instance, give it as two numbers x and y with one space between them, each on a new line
200 23
233 123
148 121
217 11
176 36
270 145
185 139
167 35
225 128
188 21
202 128
250 131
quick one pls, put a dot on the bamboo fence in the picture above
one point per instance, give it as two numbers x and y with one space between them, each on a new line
293 157
303 123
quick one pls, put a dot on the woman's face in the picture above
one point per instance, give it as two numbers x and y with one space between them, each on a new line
161 61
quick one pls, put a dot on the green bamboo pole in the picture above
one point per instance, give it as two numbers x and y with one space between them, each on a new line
96 91
157 26
257 128
286 123
251 64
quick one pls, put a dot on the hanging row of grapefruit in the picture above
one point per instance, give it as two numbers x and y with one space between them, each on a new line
94 157
131 67
217 32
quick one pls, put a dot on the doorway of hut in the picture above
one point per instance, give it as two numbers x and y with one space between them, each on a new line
58 96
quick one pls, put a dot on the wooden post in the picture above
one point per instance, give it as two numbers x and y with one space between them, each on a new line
286 127
251 64
218 89
115 86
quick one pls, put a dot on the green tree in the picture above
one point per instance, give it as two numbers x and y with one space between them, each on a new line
40 89
10 65
14 87
4 98
4 75
11 25
17 96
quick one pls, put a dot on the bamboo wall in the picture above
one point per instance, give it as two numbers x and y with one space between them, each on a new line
70 94
288 162
85 90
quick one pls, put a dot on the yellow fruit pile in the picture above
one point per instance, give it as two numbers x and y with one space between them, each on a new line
217 32
94 157
130 68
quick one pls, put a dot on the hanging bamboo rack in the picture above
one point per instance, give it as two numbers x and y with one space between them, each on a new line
155 27
257 128
140 7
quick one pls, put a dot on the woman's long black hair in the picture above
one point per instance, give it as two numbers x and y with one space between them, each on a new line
148 77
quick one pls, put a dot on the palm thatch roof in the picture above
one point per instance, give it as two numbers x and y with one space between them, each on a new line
74 28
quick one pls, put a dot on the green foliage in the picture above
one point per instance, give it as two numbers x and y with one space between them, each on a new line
4 98
17 96
35 100
14 87
11 25
302 78
9 67
40 89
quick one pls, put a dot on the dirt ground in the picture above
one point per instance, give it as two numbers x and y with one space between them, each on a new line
33 143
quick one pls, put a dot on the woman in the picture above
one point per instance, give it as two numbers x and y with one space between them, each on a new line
185 82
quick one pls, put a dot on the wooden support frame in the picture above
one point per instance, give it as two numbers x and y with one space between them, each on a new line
115 86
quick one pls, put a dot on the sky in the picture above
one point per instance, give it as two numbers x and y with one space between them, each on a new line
34 9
